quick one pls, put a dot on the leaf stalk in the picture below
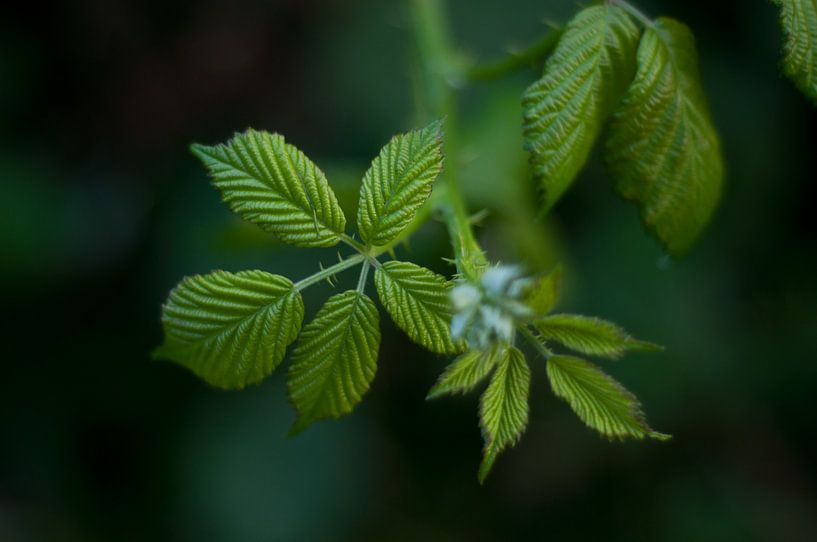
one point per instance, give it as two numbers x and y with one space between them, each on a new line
517 60
324 274
437 68
364 272
535 341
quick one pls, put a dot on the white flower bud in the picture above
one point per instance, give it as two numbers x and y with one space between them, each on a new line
485 314
464 297
497 279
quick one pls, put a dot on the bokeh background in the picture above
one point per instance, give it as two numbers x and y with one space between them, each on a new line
103 210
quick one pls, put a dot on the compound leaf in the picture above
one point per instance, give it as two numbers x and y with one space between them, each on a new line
231 329
398 182
274 185
504 407
590 335
335 360
799 21
583 80
464 373
599 401
663 151
417 300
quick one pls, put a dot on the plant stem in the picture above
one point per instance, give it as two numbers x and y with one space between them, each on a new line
364 272
543 350
323 274
517 60
358 246
635 12
437 72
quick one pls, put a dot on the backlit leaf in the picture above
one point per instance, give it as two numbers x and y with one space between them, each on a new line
583 80
231 329
504 407
274 185
601 402
398 182
590 335
335 359
663 151
464 373
417 300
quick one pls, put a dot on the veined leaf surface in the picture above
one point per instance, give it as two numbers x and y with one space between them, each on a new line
417 300
274 185
231 329
583 80
398 182
590 335
663 151
799 21
464 373
503 408
335 359
601 402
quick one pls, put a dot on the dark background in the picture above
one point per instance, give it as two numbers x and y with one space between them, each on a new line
103 210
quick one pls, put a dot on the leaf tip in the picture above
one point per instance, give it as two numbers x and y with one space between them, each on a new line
298 426
198 150
645 346
435 393
485 468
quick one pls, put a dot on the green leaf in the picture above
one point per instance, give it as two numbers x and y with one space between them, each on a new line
464 373
417 300
583 80
590 335
398 182
663 151
231 329
335 360
272 184
799 21
504 407
601 402
545 292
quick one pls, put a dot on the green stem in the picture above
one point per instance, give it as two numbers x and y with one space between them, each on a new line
357 245
437 72
635 12
364 272
323 274
537 344
518 60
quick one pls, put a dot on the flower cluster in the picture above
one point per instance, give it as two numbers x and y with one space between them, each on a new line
486 313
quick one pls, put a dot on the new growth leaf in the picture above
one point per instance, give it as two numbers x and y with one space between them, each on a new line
600 402
663 151
582 82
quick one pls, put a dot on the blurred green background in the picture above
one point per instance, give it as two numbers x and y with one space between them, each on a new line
104 210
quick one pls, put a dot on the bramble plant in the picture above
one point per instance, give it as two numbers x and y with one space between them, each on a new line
610 73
